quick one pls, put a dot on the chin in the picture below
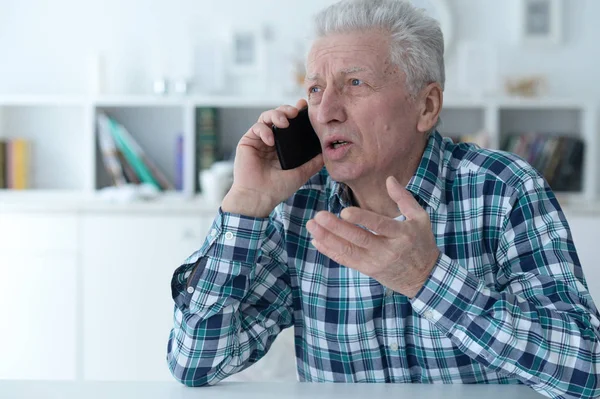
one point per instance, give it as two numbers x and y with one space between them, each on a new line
343 172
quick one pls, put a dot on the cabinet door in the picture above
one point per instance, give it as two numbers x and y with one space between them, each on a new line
585 229
128 263
38 272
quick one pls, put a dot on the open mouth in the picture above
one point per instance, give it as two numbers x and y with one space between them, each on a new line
338 143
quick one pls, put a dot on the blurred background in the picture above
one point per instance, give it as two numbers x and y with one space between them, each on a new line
118 125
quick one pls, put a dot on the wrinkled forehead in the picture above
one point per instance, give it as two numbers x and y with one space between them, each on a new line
345 54
374 43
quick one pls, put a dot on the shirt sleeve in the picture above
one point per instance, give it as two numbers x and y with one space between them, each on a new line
537 322
232 297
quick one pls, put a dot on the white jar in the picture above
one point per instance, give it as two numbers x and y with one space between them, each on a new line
216 181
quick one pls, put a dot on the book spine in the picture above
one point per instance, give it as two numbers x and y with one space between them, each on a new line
206 139
109 152
136 163
130 175
2 164
19 163
179 150
10 166
26 156
157 176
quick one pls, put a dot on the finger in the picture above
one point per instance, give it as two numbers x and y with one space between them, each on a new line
289 111
280 115
408 206
336 248
275 117
301 103
342 256
375 222
326 225
262 132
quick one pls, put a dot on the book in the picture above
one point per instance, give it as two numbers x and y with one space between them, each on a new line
17 164
206 140
143 163
130 174
110 153
21 164
2 164
569 175
559 158
130 155
179 151
9 165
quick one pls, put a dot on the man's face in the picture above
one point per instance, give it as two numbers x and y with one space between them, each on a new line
360 108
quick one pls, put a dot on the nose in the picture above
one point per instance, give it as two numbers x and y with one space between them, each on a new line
331 107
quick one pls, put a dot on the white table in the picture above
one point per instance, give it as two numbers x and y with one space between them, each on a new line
236 390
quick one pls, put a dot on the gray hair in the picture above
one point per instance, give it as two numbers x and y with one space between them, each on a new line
417 41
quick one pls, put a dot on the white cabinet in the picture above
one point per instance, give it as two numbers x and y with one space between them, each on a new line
128 261
85 293
584 229
38 307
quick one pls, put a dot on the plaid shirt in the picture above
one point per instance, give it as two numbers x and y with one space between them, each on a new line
506 302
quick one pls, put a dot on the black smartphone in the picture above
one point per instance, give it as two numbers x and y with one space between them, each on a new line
298 143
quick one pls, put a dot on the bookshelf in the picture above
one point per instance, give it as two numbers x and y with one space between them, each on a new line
66 159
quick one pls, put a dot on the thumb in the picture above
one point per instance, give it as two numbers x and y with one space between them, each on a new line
407 205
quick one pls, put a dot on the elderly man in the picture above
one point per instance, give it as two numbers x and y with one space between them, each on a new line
479 284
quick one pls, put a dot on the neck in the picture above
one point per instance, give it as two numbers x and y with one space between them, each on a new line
371 193
377 200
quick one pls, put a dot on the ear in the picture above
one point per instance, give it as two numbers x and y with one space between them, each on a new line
431 100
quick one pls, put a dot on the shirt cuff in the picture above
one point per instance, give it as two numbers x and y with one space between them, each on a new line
460 305
233 238
447 295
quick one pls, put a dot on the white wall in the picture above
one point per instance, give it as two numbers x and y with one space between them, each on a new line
44 44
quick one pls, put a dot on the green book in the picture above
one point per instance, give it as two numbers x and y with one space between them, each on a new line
206 139
134 160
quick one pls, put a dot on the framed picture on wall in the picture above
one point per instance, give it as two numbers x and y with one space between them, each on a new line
247 51
541 22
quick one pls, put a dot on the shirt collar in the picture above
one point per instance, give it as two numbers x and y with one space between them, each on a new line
425 184
340 197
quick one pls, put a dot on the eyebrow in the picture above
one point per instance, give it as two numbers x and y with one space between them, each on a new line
345 71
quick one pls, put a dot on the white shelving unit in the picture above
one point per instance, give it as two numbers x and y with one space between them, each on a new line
499 117
66 159
79 249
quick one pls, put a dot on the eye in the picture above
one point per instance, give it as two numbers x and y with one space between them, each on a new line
355 82
314 89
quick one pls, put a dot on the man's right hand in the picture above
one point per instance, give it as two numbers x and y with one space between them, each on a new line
259 183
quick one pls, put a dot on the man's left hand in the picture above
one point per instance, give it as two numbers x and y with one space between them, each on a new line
400 256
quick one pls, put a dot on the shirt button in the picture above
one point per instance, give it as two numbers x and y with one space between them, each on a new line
229 235
389 292
428 315
190 290
213 232
394 347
